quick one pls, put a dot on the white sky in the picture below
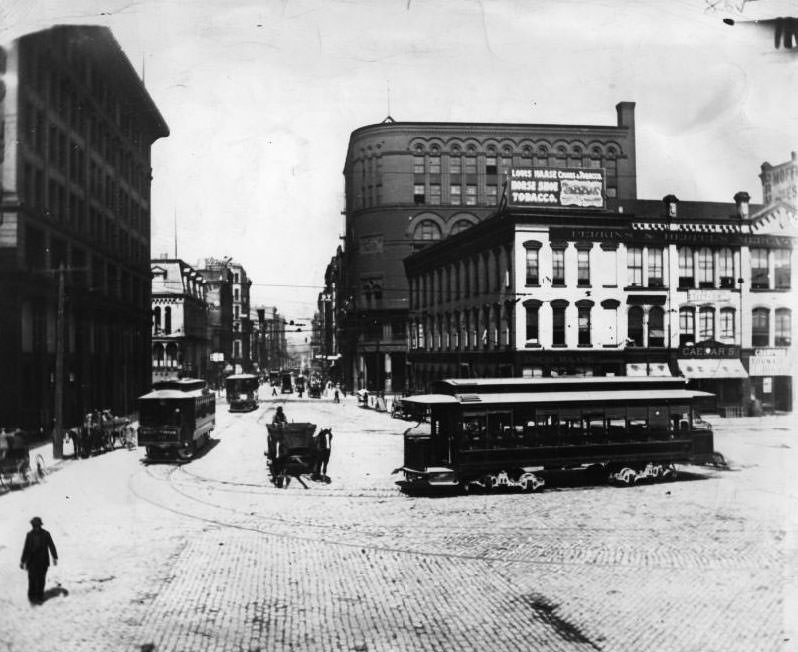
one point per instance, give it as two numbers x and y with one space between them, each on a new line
261 96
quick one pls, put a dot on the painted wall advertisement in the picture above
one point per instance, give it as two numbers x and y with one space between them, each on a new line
557 187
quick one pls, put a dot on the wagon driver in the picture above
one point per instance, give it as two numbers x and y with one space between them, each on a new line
279 418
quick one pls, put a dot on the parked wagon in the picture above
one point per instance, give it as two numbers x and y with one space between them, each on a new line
101 432
290 452
16 466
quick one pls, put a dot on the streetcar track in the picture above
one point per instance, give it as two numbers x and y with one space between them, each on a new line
727 564
485 557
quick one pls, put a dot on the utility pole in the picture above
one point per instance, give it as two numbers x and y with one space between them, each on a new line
58 438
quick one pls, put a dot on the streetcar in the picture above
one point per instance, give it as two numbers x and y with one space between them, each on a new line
286 382
176 418
242 392
506 432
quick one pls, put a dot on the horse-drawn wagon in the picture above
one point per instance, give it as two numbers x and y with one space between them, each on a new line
16 465
290 452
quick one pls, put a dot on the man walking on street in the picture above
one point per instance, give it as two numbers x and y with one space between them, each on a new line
36 559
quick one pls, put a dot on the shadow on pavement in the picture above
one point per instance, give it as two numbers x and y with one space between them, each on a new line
54 593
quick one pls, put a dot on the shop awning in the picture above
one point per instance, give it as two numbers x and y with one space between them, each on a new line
654 369
695 368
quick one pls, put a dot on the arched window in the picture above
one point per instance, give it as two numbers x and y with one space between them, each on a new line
167 320
157 355
760 327
558 322
156 319
783 327
706 324
459 226
427 230
727 323
635 326
686 326
656 327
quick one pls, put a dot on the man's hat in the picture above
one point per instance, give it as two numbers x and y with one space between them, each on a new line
36 521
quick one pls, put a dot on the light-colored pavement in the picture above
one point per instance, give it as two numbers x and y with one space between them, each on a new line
209 556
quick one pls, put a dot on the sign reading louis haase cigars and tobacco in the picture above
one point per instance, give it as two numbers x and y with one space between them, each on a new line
556 187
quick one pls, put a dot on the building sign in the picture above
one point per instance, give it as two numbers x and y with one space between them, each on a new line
709 296
678 236
556 187
771 362
371 244
710 349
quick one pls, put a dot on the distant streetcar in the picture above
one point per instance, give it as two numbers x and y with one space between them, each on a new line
176 418
242 392
503 432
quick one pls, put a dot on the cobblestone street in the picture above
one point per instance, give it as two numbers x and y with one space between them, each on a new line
210 556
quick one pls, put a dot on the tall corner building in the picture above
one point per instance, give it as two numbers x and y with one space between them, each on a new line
77 125
410 183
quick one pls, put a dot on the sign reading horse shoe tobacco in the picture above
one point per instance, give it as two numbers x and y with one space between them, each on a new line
556 187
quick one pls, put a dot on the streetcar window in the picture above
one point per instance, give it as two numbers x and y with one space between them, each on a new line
500 429
475 430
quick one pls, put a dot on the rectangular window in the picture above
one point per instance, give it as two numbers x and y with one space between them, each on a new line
471 195
505 163
455 165
454 194
583 319
471 165
418 193
656 278
760 278
686 276
726 268
418 165
782 269
706 272
435 193
583 267
532 267
532 330
491 195
634 264
558 267
434 164
490 165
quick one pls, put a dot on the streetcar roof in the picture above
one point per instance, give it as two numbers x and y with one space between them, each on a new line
161 394
596 397
589 381
242 377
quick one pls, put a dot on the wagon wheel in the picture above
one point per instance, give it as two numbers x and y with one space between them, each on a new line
40 467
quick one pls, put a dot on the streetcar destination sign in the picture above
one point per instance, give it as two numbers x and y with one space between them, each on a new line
557 187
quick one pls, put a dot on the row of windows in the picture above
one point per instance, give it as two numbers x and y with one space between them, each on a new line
702 268
486 328
492 164
479 274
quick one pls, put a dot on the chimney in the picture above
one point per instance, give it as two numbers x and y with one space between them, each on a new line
626 114
741 199
671 202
